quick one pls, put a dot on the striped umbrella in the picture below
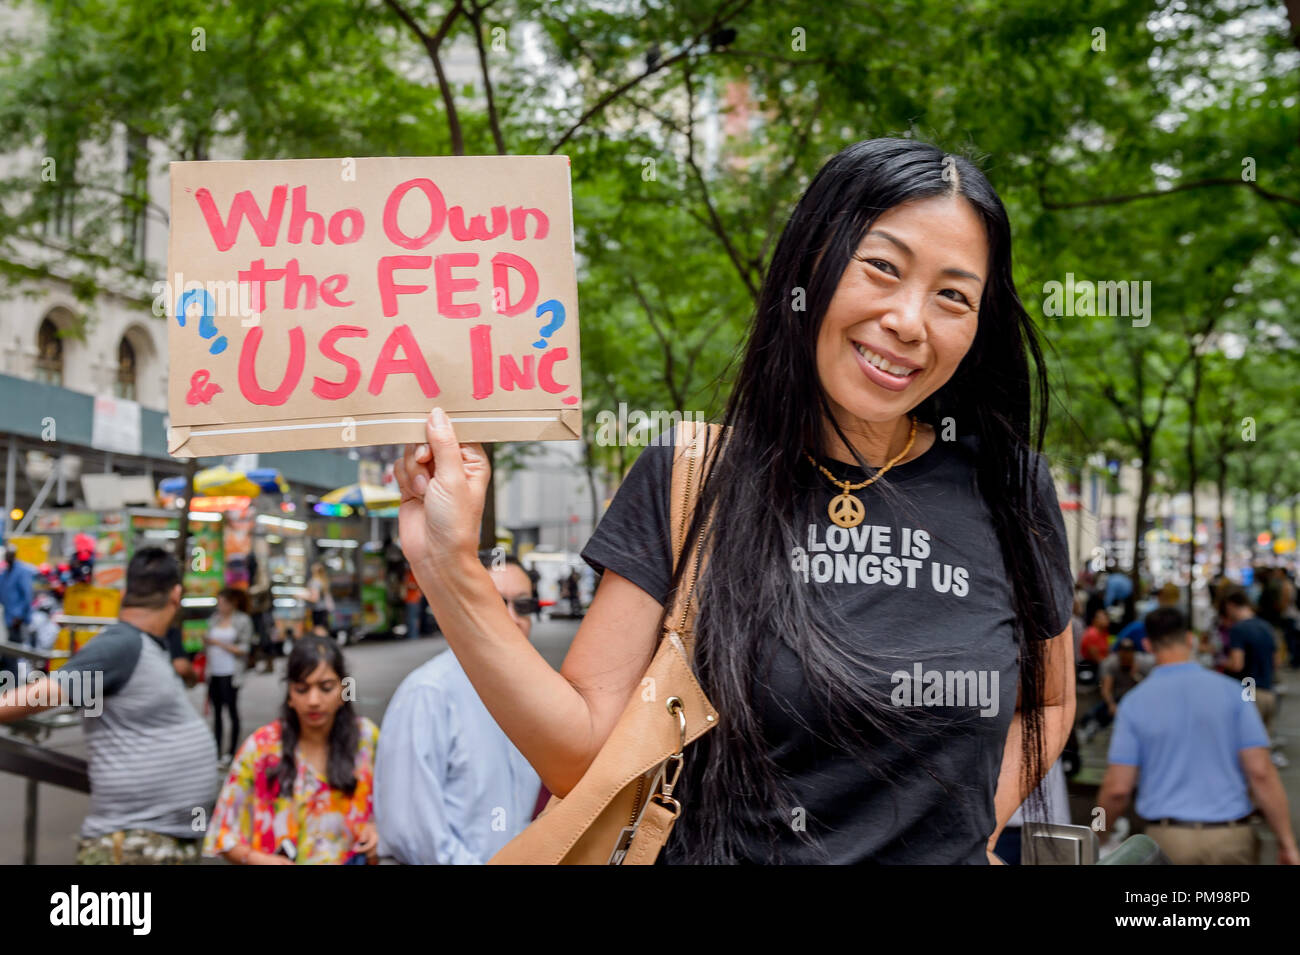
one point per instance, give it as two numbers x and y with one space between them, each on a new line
224 482
221 481
369 496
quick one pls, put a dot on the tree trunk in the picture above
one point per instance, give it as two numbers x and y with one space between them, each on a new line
1191 478
1221 486
1112 492
1139 522
1248 490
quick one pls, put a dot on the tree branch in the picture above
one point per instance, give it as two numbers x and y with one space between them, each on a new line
475 15
795 154
716 21
431 45
715 221
1160 193
669 359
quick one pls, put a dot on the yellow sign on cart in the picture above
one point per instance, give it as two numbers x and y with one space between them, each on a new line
83 600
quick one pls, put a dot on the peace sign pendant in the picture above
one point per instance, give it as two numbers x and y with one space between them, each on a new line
846 510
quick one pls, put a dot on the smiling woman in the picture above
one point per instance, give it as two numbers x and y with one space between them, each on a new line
876 510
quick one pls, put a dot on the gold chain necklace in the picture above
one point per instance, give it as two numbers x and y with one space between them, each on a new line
845 509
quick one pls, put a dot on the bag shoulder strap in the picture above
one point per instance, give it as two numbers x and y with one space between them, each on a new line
694 454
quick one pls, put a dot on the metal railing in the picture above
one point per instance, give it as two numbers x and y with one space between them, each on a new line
41 765
37 764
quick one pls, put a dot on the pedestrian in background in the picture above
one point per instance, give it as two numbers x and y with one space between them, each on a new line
414 601
1096 639
1077 626
259 608
1201 754
1168 596
1290 622
450 787
16 602
1252 651
151 759
228 642
1119 672
320 600
301 788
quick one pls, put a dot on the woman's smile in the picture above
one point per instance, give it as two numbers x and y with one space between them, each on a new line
885 369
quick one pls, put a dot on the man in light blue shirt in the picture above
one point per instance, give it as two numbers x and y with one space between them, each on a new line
1198 742
450 787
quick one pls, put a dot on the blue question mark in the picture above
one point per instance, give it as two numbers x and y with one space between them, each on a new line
550 328
207 324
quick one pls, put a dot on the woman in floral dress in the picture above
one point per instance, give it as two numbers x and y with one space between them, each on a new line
300 789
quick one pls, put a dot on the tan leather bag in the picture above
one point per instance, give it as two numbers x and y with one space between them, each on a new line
622 810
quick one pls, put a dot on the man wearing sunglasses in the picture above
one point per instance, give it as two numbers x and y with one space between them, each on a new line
450 787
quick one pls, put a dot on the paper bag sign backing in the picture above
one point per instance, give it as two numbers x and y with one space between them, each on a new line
319 303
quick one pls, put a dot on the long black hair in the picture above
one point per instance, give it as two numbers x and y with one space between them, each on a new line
308 653
776 410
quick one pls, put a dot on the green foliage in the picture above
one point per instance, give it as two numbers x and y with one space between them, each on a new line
1169 156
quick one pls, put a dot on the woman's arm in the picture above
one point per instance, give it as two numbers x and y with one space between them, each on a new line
1108 691
1058 720
231 648
243 855
243 634
560 720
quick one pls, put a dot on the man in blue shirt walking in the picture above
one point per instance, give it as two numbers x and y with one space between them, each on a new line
1202 755
450 787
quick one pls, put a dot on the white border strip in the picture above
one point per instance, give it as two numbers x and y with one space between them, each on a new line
196 432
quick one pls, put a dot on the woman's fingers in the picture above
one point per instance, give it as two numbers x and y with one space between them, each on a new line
477 470
447 465
417 475
400 471
454 464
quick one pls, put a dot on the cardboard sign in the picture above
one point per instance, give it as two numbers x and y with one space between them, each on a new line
320 303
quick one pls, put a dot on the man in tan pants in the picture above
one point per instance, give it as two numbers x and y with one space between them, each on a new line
1203 757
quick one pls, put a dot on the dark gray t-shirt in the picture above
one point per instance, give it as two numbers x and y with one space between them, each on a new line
152 760
921 587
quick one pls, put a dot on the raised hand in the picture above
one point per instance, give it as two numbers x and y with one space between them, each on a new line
443 485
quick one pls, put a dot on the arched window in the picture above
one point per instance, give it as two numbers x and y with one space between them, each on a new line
124 385
49 354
